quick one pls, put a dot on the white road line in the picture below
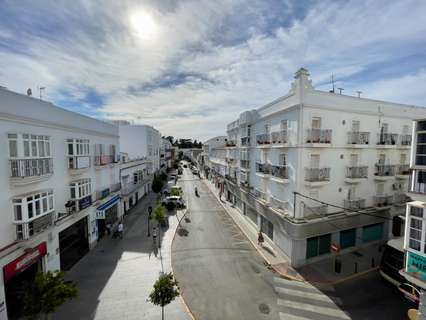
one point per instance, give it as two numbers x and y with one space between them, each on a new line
309 295
301 284
332 312
288 316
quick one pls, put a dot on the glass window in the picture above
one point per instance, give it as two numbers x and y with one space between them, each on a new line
26 148
45 208
30 210
34 149
18 212
13 148
41 148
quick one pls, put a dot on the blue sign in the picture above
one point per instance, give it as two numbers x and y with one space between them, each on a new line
416 266
85 202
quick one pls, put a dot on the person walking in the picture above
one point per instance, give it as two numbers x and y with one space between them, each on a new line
108 228
154 235
260 239
120 229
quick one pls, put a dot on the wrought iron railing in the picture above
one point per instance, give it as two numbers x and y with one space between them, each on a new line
387 138
279 137
382 200
357 137
354 204
319 136
317 174
263 138
357 172
385 170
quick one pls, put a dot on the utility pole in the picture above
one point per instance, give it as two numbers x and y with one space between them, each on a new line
40 89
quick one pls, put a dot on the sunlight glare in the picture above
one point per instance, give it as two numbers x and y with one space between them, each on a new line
144 25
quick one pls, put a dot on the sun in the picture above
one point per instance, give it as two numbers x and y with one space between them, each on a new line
144 25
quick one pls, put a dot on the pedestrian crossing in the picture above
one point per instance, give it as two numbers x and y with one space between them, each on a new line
303 301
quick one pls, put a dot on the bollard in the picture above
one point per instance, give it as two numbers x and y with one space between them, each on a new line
337 266
356 267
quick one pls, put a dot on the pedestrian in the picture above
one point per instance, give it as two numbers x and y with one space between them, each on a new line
120 229
154 235
260 239
108 228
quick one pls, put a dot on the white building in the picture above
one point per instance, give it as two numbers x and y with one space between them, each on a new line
140 141
415 227
165 154
315 168
213 156
59 188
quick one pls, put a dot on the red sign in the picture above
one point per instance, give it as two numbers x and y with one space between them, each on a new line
23 262
334 248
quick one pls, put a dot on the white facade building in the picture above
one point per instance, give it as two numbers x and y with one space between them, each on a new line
315 168
165 154
140 141
59 187
214 155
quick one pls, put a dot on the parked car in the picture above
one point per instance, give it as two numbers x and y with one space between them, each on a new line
410 292
176 200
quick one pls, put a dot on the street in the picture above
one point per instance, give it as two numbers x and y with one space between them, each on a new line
222 276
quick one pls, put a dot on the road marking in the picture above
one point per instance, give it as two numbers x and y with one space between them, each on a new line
308 295
332 311
300 284
288 316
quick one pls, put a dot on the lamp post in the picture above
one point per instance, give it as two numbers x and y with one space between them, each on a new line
149 218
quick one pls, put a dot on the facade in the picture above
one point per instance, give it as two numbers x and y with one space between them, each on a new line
140 141
59 188
315 168
165 154
415 228
212 159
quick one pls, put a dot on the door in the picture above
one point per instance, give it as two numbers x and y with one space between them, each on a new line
354 160
380 189
402 158
316 122
314 161
355 125
382 159
351 193
284 125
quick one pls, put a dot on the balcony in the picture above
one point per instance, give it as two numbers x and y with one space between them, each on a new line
384 171
317 176
26 230
356 174
101 194
279 137
23 171
354 204
260 195
245 186
417 185
278 204
263 139
230 143
405 140
358 138
245 141
319 136
104 160
263 168
387 139
78 164
315 210
402 171
400 199
280 172
383 200
231 178
245 164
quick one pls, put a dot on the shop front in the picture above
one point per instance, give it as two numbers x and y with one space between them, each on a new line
73 243
18 275
107 213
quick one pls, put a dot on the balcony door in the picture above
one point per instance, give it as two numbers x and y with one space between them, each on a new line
284 125
382 159
351 193
380 189
314 161
402 158
316 122
355 125
354 160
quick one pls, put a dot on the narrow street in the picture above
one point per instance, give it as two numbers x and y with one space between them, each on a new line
221 276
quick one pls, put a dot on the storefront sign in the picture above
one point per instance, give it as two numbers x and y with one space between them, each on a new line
100 211
23 262
85 202
416 266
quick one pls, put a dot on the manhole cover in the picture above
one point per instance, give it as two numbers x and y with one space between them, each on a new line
264 308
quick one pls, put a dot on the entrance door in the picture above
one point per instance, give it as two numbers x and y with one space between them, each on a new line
136 197
73 244
354 160
316 123
355 125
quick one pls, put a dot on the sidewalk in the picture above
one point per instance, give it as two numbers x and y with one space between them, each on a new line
356 263
116 277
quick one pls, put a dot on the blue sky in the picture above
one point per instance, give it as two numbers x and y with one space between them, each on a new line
190 67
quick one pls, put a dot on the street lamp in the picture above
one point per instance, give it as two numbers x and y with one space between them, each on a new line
149 218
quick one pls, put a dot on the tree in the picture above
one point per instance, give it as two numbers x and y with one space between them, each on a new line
165 291
163 176
47 292
157 184
158 216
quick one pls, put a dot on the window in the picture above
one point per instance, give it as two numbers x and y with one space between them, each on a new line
78 147
351 193
33 206
380 189
316 123
282 159
80 189
34 146
385 128
417 230
267 128
405 129
372 232
315 161
382 159
402 158
355 125
284 125
13 145
347 238
316 246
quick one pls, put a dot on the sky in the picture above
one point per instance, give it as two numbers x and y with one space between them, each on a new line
190 67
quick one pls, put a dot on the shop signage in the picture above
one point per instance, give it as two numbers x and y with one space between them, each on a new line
23 262
100 214
416 266
85 202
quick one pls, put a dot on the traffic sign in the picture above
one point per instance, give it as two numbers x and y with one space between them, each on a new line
334 248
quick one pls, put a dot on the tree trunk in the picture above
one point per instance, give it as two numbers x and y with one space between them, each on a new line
159 235
162 313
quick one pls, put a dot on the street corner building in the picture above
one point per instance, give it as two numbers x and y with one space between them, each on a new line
60 188
315 170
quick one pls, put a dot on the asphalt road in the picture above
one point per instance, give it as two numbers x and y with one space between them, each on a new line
221 276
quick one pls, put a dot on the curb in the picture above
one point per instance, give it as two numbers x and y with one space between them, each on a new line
353 276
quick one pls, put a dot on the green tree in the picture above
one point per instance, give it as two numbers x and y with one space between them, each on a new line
47 292
157 184
165 291
163 176
158 215
174 192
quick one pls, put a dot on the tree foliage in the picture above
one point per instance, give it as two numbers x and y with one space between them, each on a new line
165 291
47 292
163 176
157 184
158 215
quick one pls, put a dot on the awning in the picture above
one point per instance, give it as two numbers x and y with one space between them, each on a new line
100 211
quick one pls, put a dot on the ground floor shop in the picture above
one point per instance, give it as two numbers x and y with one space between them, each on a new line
73 243
107 214
17 277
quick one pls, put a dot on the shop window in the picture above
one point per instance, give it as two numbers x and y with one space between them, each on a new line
347 238
316 246
372 232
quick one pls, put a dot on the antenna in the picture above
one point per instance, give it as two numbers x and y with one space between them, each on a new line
359 94
340 90
332 83
40 89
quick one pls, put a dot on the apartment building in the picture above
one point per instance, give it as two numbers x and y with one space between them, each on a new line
140 141
415 227
212 158
315 168
59 188
165 154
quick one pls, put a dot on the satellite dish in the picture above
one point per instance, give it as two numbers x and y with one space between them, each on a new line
29 92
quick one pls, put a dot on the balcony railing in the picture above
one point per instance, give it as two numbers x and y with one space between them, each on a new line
354 204
101 194
315 210
104 159
264 168
383 170
357 172
387 138
403 169
245 164
231 143
263 138
20 168
260 194
278 204
78 162
317 174
279 171
231 178
417 182
356 137
245 141
319 136
405 139
279 137
383 200
400 198
245 185
27 230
